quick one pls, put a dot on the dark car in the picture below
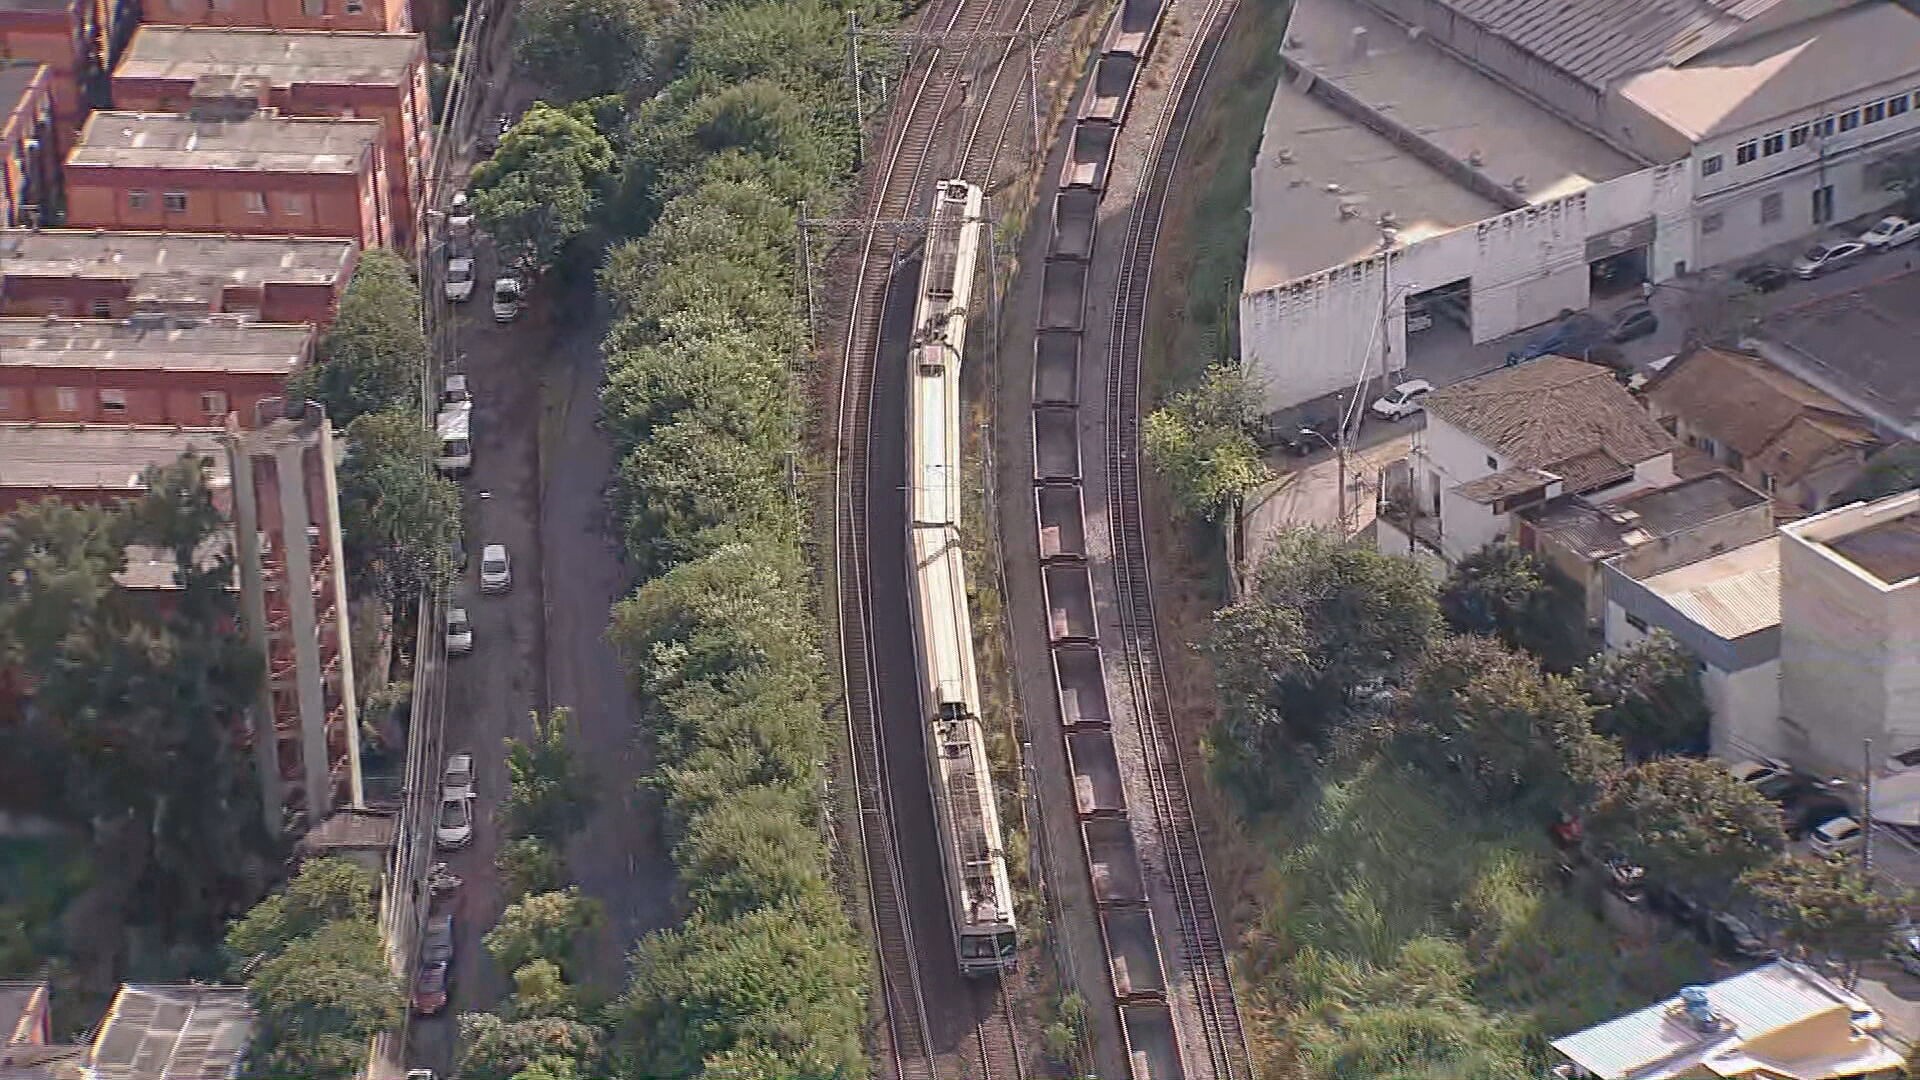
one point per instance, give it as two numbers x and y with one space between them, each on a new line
1681 908
1731 937
437 947
1633 321
1576 332
1763 277
430 989
1808 810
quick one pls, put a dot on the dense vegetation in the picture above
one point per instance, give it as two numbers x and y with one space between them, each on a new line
1202 442
1406 775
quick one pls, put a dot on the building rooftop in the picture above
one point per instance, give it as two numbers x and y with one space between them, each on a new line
281 57
55 1062
348 829
1856 346
1834 1033
16 78
21 1003
1567 417
38 6
1743 401
261 143
169 260
1878 539
1597 41
1601 530
173 1033
1730 595
1791 70
212 344
99 457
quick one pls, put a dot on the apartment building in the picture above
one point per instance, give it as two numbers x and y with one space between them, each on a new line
114 275
294 607
98 463
230 167
78 41
391 16
145 370
381 76
30 191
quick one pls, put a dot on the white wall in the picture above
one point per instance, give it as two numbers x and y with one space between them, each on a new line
1313 336
1745 704
1857 191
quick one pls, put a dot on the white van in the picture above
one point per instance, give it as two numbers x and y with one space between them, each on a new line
455 428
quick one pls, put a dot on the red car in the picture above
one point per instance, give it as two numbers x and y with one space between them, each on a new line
430 988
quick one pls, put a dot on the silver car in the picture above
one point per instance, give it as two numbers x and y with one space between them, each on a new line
496 569
455 826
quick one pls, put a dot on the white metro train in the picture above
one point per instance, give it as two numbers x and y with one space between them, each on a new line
979 897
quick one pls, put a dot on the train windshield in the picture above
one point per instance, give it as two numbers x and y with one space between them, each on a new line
1008 944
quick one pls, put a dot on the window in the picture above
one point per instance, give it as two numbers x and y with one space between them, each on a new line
1799 135
1710 223
1774 144
1897 105
355 7
136 199
1746 152
1711 165
1493 462
214 403
1876 112
256 202
1766 482
113 401
1824 127
1735 459
296 203
1637 622
1709 447
59 306
313 8
6 400
1849 119
176 202
102 308
1823 204
66 399
1772 207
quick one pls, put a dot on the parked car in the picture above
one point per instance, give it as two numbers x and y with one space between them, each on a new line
430 989
1731 937
1681 908
457 554
455 826
1756 772
1402 401
1821 258
1903 947
1632 321
437 946
1890 232
459 280
454 392
456 777
506 299
1763 276
1807 810
1840 836
1903 761
1573 335
496 569
459 632
420 1074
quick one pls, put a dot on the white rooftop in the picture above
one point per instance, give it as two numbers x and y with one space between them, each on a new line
1731 595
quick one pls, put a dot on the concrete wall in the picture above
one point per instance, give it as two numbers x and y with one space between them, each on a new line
1743 697
291 204
1858 189
1316 335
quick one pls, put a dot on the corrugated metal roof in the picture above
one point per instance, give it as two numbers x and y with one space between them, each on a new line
173 1033
1597 41
1658 1042
1732 594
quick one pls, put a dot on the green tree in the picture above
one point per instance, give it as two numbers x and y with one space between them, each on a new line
529 865
1649 697
550 793
1503 591
757 849
1510 733
1689 823
324 891
1828 907
1323 618
586 48
540 989
399 517
321 1002
1201 441
545 926
540 187
1889 472
373 356
689 489
496 1049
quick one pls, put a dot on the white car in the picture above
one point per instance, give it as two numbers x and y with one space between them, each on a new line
456 778
454 392
455 827
1821 258
1840 836
506 299
496 569
1904 761
1402 401
459 280
459 632
1890 232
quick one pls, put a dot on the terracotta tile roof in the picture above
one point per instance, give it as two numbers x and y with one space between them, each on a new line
1743 401
1504 484
1564 416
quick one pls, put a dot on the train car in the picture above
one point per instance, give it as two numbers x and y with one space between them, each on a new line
979 895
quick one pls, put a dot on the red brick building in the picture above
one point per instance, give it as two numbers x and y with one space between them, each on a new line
388 15
96 463
99 274
246 172
306 73
79 41
30 192
147 370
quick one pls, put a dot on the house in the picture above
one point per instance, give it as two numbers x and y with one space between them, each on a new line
25 1014
1515 437
1850 634
1725 608
189 1032
1856 346
114 275
146 369
1672 525
391 16
248 171
381 76
30 188
1780 1020
78 41
1782 435
97 463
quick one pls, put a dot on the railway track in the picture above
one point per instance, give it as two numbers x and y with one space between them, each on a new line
910 143
997 1036
1210 981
